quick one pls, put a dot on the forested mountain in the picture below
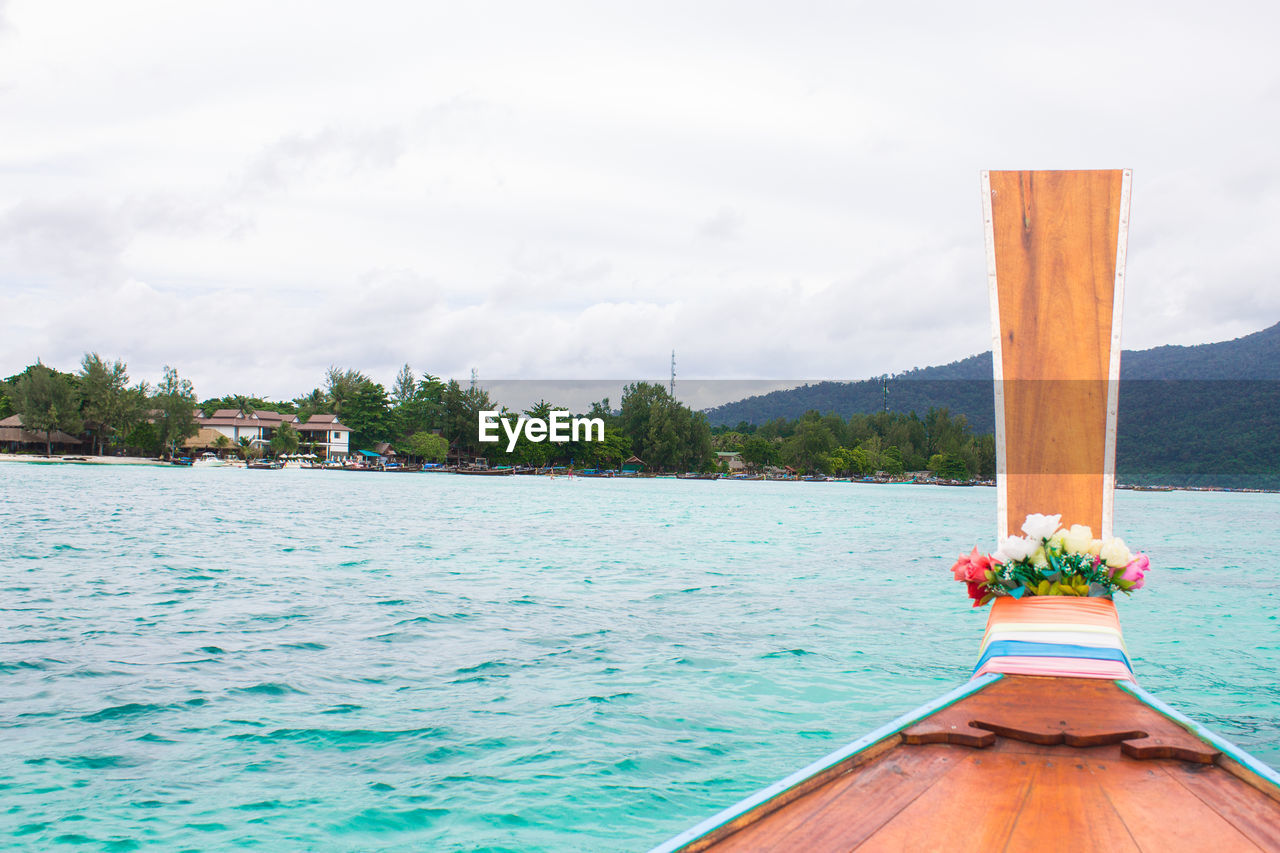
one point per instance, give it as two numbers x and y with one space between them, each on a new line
1197 415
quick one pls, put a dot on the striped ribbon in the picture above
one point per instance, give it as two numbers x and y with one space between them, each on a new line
1054 635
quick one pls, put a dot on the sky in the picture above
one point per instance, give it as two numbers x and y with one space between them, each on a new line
254 192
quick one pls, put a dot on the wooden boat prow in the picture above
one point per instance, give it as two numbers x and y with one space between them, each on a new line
1015 762
1017 759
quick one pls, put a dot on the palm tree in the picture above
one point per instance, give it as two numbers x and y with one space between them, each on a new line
243 405
311 404
342 386
285 440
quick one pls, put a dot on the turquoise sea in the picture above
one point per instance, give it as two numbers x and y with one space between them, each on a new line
295 660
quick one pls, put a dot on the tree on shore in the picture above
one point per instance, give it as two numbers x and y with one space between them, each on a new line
417 404
310 404
664 432
144 437
246 405
285 439
611 453
105 398
759 452
47 402
427 445
406 385
808 446
460 417
341 386
948 466
136 413
846 461
174 414
365 411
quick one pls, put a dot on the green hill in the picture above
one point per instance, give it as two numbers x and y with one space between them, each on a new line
1199 415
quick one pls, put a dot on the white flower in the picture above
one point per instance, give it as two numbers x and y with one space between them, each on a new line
1115 553
1095 547
1077 539
1015 548
1040 527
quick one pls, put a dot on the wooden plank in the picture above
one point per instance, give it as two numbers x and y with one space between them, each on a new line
1163 815
849 809
1054 237
1069 802
1249 810
1067 810
974 810
783 803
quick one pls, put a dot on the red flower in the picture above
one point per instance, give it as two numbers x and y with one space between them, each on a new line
977 591
972 567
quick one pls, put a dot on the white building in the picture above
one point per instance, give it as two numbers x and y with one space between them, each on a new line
324 433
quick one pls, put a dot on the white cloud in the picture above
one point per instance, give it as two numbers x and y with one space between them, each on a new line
252 193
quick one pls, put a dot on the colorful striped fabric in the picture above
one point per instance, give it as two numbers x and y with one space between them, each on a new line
1054 635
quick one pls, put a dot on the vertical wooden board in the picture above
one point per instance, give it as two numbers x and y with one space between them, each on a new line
1054 237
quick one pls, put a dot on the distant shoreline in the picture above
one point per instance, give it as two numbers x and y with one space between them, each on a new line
145 462
81 460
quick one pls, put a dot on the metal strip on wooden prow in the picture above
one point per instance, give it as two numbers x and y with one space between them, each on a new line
1055 255
997 360
1113 371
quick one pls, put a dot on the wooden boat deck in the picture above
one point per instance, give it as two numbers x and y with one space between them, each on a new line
1133 780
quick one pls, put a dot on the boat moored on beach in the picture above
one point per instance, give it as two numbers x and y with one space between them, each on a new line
209 460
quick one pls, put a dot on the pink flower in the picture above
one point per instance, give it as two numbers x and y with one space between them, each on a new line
1135 572
972 567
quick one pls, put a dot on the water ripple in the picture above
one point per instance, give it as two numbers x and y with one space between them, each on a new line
304 660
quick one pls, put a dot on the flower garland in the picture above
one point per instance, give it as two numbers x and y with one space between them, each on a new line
1052 561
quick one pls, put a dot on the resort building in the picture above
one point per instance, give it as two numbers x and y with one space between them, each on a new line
324 431
14 438
326 436
733 460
